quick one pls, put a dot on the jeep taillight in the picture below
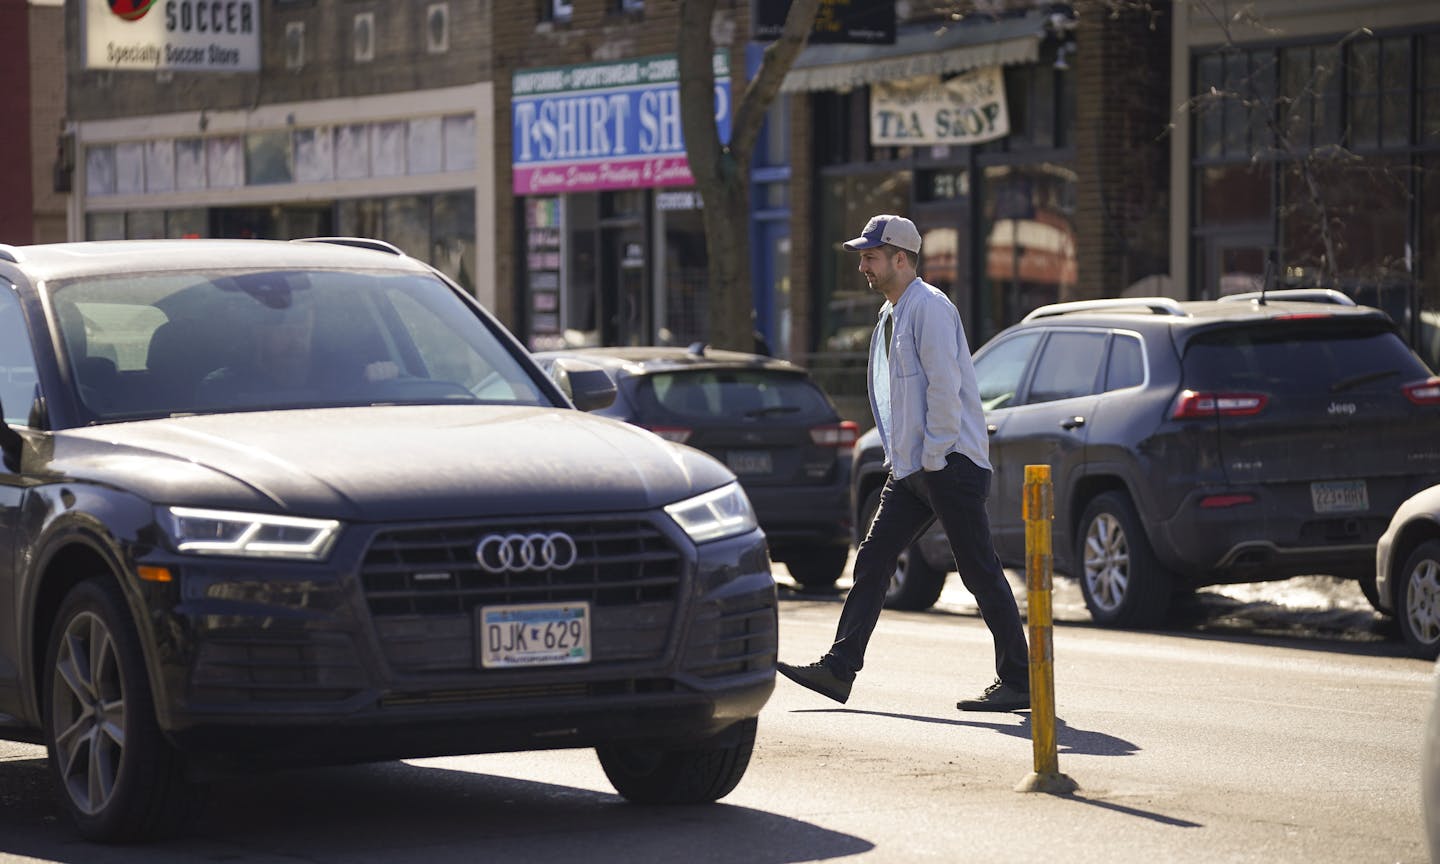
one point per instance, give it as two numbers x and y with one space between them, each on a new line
1425 392
840 435
1192 405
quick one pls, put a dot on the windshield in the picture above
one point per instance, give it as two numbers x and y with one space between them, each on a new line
732 395
154 345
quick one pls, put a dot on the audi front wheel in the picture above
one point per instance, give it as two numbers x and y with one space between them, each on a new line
119 778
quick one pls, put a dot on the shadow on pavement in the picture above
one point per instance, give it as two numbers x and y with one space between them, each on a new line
397 812
1132 811
1068 739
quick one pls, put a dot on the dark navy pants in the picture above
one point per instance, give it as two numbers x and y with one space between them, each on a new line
956 496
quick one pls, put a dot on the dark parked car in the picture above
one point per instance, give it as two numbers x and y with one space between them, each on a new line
1193 444
269 503
767 420
1407 571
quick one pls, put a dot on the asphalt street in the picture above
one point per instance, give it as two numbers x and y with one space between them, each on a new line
1189 745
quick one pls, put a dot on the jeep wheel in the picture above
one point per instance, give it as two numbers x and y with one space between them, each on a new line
817 567
666 773
1417 600
915 585
119 778
1123 583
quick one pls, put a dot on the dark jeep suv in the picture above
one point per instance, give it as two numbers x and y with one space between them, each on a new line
767 420
267 503
1192 444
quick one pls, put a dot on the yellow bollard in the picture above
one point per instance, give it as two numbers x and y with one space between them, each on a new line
1039 512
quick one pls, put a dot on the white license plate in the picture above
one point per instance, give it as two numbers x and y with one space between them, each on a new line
534 634
749 461
1339 496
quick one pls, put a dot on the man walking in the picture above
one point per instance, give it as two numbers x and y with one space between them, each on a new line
924 398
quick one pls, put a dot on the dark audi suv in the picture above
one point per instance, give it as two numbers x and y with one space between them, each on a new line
1193 444
767 420
267 503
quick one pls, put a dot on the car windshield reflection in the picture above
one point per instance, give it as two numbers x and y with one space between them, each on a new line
164 344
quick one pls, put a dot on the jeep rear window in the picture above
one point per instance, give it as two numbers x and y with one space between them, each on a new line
1313 357
731 394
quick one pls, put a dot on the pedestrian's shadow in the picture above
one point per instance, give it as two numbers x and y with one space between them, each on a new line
1068 739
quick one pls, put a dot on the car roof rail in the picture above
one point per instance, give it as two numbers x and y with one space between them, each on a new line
9 253
1153 305
358 242
1291 295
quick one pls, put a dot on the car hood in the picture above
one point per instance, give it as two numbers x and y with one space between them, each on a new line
389 463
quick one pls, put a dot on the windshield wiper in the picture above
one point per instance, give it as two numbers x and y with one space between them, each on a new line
1363 378
772 409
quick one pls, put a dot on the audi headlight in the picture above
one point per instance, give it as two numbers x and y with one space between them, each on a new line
249 535
721 513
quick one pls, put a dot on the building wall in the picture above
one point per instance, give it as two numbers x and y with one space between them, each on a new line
47 117
401 62
1197 25
1122 101
312 86
16 219
1215 22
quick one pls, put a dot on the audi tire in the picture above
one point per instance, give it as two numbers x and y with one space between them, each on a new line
660 772
120 779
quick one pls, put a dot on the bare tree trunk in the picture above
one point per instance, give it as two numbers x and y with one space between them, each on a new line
722 172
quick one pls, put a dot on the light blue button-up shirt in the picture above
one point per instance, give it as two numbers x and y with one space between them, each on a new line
934 402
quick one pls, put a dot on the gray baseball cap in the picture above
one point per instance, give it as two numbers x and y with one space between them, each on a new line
882 229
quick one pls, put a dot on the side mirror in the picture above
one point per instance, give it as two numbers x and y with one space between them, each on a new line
584 384
10 444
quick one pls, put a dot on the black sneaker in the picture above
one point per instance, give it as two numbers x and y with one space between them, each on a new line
819 677
998 697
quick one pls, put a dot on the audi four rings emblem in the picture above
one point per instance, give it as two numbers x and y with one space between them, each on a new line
518 553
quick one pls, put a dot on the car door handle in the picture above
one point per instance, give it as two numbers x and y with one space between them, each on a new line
992 429
1072 422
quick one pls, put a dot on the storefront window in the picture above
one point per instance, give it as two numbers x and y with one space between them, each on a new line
407 223
1427 335
1430 89
145 225
848 306
685 297
1344 222
452 239
845 305
314 154
105 226
100 170
189 223
1230 194
267 158
582 270
1029 236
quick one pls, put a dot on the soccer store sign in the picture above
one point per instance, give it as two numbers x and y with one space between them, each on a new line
185 35
604 125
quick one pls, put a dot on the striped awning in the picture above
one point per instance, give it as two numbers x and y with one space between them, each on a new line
973 43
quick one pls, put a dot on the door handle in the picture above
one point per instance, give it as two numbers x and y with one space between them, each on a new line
1072 422
991 429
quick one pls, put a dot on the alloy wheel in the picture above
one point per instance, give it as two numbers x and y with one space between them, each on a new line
88 706
1422 601
1107 562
